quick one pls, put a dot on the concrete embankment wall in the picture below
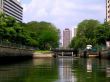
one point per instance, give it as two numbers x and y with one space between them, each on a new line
98 54
15 52
42 55
105 54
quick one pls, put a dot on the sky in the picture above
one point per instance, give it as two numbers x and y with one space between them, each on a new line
63 13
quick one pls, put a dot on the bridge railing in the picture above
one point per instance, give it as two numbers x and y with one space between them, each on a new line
59 49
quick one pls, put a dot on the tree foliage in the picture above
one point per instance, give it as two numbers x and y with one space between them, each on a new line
45 34
91 32
42 35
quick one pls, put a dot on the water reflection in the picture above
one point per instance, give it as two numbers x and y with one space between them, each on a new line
89 65
57 70
108 71
92 70
65 70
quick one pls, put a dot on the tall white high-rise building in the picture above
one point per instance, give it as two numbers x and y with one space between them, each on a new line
74 31
107 10
12 8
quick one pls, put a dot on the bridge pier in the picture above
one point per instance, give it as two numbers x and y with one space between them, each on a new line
62 53
72 54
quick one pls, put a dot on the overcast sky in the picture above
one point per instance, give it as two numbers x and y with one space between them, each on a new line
63 13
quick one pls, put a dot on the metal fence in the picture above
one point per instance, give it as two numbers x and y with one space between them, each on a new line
15 45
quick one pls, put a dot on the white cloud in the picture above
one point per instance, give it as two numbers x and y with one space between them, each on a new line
64 13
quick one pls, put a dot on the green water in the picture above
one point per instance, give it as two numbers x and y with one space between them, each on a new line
57 70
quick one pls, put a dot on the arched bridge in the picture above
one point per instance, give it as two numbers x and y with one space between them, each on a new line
58 52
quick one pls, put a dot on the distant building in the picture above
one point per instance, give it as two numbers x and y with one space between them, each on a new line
108 44
107 10
60 45
75 31
12 8
66 38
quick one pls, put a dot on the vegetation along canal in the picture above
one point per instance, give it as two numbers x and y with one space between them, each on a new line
57 70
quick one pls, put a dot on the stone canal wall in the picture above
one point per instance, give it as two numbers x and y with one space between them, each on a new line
14 52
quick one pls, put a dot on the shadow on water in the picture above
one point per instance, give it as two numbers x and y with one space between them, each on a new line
12 60
36 70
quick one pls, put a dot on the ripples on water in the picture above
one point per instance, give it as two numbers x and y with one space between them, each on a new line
57 70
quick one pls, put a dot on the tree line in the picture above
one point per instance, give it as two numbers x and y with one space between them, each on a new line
91 32
42 35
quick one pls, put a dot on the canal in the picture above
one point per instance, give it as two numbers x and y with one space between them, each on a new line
57 70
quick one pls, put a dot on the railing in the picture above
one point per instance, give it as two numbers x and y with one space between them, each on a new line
15 45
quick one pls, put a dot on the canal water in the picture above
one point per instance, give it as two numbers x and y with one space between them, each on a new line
57 70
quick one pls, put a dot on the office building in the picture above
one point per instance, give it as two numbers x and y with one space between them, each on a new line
107 10
74 32
66 38
12 8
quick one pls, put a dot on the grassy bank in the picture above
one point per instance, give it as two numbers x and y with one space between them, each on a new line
42 51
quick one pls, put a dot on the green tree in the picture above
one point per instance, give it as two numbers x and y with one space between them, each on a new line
46 34
91 32
42 35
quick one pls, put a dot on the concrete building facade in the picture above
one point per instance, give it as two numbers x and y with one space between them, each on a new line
1 6
66 37
107 10
12 8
